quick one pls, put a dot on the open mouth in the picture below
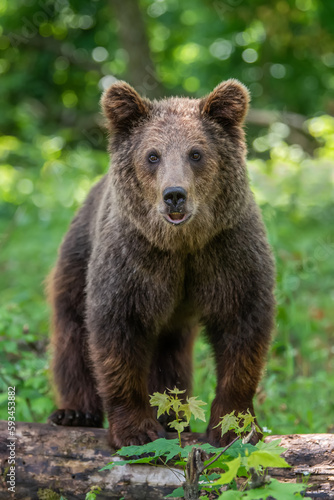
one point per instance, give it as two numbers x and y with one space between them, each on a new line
176 217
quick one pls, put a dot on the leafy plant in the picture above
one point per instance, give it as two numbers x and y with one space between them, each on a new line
183 411
92 493
244 465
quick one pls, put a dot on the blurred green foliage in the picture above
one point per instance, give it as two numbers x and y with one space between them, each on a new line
56 58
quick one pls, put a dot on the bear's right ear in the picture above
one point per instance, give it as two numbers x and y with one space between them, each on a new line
227 104
123 106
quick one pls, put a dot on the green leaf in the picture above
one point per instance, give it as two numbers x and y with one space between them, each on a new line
184 452
162 401
162 447
230 495
233 452
271 447
177 493
210 477
246 419
182 463
195 408
176 404
228 476
91 495
178 426
228 422
175 391
185 409
286 491
265 459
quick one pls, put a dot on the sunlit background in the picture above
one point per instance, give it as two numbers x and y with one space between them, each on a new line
55 60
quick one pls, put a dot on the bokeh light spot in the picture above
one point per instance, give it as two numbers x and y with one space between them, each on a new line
249 55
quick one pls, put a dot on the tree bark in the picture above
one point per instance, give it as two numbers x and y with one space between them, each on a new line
51 461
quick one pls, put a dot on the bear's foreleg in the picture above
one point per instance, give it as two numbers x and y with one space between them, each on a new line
122 368
240 343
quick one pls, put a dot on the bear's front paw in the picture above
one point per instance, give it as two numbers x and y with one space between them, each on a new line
122 434
75 418
215 438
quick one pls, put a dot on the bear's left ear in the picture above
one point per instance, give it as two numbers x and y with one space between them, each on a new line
227 103
123 106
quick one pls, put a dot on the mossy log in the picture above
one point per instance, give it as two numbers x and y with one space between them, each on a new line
53 461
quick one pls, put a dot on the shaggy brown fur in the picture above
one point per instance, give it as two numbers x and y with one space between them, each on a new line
169 239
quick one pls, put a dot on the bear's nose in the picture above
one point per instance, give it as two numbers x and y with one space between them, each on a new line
175 198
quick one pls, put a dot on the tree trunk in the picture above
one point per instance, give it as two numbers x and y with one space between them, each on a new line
140 72
50 461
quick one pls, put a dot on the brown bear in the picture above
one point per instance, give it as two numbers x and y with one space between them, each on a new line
168 240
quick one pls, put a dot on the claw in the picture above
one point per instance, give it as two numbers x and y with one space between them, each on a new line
75 418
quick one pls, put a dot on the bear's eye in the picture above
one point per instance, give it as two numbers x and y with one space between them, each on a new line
195 155
153 158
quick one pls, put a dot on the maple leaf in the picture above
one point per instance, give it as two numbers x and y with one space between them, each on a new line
194 408
162 401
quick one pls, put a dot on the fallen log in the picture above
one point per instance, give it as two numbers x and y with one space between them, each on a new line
53 461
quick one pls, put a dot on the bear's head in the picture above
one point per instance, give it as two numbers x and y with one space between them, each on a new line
178 165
